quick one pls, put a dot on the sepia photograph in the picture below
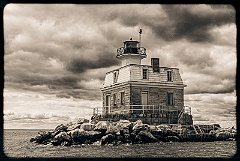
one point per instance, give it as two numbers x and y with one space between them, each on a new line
119 81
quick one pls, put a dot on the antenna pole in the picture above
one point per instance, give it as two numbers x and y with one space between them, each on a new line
140 33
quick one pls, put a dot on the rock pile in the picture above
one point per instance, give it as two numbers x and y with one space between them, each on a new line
115 133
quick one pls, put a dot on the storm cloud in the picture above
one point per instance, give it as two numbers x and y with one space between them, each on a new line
103 59
62 52
194 23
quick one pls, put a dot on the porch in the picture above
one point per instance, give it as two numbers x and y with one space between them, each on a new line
150 114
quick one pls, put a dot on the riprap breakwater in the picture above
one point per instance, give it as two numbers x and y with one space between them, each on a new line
124 131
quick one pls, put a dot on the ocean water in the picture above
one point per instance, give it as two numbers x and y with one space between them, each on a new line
17 145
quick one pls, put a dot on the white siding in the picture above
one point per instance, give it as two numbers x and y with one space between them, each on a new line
124 74
134 73
108 79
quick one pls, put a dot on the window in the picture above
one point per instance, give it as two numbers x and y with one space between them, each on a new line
122 98
145 74
107 100
114 99
114 77
169 76
170 99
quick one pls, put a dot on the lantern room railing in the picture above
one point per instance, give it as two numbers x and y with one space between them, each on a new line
138 50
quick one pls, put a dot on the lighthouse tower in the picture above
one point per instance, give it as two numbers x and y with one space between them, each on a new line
131 53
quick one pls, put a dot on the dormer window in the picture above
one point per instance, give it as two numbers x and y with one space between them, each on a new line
169 76
115 76
145 73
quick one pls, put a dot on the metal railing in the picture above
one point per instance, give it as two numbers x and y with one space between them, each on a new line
137 50
129 109
98 111
153 109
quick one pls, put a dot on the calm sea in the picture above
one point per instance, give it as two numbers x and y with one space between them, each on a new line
17 144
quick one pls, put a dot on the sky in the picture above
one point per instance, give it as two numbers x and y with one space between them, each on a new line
56 57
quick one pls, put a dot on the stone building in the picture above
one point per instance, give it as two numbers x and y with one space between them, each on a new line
144 91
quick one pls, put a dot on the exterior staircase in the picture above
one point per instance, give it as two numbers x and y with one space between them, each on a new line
197 129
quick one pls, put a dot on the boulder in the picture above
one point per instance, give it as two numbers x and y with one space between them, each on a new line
136 124
125 130
171 138
138 139
126 138
147 137
60 138
157 133
63 136
72 126
118 137
223 135
101 126
112 129
61 128
32 139
152 127
123 124
94 135
82 136
87 126
82 120
163 127
109 138
79 135
144 127
169 132
42 137
216 126
55 142
58 129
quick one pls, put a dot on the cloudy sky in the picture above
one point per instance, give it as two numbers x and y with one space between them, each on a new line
56 57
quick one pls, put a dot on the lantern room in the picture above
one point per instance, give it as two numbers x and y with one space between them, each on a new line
131 53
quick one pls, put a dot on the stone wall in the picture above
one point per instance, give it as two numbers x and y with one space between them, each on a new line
117 91
158 96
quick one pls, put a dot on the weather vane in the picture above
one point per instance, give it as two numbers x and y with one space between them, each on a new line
140 33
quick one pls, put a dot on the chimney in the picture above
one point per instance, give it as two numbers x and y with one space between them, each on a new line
155 64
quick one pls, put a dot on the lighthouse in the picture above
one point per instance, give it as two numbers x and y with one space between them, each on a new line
152 93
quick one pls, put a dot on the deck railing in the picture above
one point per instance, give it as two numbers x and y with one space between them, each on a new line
139 109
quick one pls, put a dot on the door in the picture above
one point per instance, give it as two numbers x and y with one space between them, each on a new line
144 100
107 104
